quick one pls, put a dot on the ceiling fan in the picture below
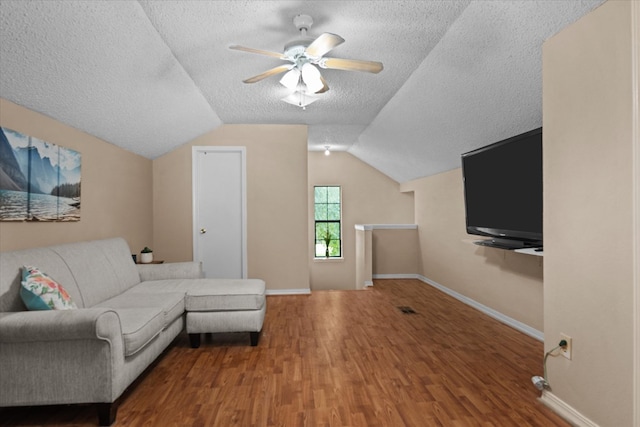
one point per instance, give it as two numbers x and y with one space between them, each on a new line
303 55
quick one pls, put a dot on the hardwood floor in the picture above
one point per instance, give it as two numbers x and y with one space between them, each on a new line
339 358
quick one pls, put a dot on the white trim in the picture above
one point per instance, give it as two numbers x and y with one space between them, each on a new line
313 223
194 211
396 276
194 205
368 283
302 291
364 227
635 150
330 259
566 411
515 324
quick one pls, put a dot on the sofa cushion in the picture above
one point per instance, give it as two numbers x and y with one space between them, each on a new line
101 268
139 326
41 292
161 286
11 264
170 270
225 295
171 303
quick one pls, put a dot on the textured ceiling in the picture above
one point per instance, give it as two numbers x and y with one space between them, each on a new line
149 76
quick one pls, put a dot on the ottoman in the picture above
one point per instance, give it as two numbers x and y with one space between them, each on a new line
225 305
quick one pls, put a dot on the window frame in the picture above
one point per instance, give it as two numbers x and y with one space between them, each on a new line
339 239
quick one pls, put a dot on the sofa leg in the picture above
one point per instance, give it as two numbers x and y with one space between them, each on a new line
107 413
194 339
254 338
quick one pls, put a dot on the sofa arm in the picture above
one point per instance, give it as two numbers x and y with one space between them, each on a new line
172 270
59 325
61 357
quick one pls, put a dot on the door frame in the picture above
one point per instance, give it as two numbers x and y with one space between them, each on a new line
195 151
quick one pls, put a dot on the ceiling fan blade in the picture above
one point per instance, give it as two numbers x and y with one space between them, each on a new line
268 73
325 86
258 51
351 65
323 44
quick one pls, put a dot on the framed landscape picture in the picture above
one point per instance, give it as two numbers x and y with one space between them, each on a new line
39 181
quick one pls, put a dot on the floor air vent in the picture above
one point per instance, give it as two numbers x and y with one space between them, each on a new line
406 309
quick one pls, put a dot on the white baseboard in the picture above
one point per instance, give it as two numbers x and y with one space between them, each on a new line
526 329
515 324
396 276
303 291
368 283
566 411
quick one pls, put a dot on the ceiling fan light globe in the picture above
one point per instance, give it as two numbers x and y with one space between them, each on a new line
291 79
300 99
303 88
312 78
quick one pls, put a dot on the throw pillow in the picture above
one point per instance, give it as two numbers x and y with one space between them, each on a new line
41 292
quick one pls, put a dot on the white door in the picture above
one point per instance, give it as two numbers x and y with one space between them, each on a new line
219 211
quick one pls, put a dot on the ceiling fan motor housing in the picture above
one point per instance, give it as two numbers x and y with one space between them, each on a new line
302 22
296 48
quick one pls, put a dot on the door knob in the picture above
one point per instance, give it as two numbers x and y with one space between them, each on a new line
203 230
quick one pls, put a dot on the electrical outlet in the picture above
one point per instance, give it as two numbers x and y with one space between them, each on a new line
566 350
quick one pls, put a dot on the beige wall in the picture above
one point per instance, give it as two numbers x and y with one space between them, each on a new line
368 197
277 216
395 251
588 223
116 188
508 282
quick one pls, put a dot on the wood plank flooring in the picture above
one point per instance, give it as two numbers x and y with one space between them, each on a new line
338 358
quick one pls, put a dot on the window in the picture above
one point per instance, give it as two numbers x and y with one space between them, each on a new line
327 209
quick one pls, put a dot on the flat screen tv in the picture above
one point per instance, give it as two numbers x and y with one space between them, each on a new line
503 191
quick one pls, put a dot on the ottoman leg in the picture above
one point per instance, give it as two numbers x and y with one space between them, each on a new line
107 413
254 338
194 339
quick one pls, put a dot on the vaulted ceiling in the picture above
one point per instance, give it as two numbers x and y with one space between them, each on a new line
151 75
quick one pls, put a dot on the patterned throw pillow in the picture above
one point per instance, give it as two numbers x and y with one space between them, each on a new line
41 292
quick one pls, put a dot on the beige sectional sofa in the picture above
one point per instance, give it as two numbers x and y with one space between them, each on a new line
127 315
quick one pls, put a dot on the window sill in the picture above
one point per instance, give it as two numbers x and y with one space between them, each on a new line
323 259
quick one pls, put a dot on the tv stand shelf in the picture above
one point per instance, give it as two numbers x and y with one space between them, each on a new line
530 251
526 251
